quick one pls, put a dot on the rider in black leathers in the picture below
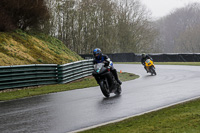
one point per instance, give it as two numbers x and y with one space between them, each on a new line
99 58
144 58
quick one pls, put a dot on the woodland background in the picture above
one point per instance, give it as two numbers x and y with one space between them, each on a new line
115 26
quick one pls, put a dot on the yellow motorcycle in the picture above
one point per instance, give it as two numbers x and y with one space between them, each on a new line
150 66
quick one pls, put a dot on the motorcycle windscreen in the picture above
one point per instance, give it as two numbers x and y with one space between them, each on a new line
98 66
148 61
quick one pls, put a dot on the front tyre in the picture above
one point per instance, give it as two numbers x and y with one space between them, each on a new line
104 89
119 90
153 71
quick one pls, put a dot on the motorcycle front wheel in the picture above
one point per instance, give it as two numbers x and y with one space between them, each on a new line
104 89
153 71
119 90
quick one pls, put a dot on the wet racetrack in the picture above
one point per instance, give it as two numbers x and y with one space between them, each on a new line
73 110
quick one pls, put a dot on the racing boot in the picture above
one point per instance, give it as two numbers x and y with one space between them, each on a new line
146 69
116 76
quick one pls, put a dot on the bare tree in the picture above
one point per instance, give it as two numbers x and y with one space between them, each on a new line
135 27
22 14
86 24
179 31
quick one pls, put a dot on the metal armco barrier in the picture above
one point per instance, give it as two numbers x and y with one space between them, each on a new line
73 71
43 74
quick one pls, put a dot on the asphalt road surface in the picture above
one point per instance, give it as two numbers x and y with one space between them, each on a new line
74 110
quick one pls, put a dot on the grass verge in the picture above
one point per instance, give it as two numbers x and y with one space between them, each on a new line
179 63
79 84
182 118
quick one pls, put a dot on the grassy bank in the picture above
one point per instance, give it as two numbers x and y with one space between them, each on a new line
20 48
79 84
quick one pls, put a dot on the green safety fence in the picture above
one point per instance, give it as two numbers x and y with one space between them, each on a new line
20 76
73 71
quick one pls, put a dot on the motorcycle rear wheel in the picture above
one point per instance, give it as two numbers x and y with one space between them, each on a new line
104 89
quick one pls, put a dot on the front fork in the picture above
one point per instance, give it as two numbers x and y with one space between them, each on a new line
148 67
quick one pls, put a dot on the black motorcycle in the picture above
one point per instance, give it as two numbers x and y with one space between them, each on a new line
107 81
